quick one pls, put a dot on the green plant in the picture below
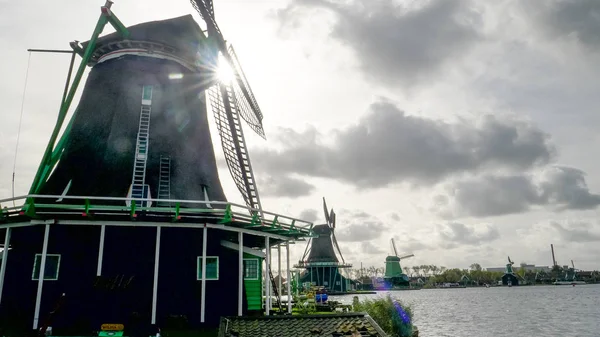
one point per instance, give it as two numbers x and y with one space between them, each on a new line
393 317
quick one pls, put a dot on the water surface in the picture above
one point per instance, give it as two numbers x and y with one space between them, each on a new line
540 311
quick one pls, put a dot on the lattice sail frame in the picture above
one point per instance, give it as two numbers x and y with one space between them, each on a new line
228 102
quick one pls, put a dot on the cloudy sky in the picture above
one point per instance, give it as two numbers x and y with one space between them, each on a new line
466 130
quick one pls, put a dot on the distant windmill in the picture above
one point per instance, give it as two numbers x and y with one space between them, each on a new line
320 260
509 278
393 271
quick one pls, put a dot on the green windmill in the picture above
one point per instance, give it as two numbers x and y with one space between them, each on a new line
393 271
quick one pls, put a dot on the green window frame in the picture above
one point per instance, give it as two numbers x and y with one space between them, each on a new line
51 269
212 268
147 92
251 269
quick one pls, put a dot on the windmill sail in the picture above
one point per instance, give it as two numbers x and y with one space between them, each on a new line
230 101
223 99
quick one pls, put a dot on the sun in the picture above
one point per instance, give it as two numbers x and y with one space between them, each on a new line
224 72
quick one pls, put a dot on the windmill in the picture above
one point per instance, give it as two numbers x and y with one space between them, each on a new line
140 129
509 278
393 271
164 162
320 261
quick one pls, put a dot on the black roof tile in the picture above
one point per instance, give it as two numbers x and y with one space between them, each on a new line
339 325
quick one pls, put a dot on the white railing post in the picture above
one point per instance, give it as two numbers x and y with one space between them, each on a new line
38 299
4 259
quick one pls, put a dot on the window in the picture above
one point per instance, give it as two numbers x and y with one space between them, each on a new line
147 92
251 269
51 268
325 283
337 283
212 268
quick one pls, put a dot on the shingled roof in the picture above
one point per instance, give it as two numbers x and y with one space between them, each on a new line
338 325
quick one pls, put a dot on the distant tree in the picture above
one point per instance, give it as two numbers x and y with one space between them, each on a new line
475 266
416 269
407 271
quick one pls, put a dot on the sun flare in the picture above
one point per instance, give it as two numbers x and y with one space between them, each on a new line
224 72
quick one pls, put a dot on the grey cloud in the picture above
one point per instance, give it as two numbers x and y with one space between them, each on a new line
398 44
369 248
453 234
407 245
568 18
395 217
576 232
309 214
387 146
285 186
350 228
559 188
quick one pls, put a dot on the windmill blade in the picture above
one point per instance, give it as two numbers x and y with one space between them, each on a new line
252 115
209 6
337 247
224 106
394 247
326 212
332 219
205 9
405 256
307 249
249 108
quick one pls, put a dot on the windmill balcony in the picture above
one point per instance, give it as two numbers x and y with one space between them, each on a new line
72 208
308 264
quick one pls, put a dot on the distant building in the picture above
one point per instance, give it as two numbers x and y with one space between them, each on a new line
528 267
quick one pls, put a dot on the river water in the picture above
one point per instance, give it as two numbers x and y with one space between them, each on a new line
540 311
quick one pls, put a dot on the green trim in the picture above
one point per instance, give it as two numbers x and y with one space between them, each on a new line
118 25
177 209
228 217
46 164
275 223
30 209
255 219
87 206
132 208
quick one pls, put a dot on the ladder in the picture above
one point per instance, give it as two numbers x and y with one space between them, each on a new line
227 115
139 189
164 179
276 291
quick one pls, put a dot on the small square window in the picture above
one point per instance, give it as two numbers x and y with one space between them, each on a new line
251 269
325 283
212 268
50 270
337 283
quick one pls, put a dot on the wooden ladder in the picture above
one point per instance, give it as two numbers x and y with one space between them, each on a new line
276 291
